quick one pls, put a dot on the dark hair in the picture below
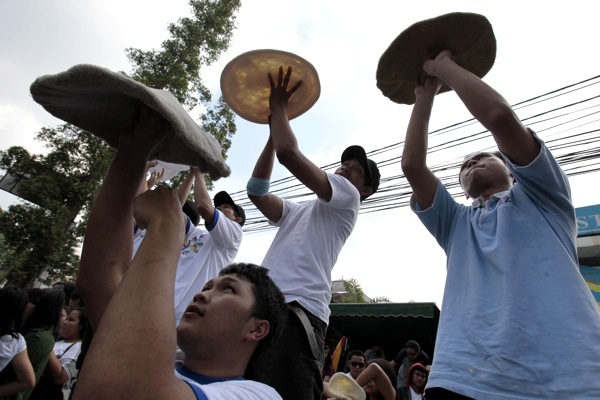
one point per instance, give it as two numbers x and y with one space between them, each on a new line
48 306
12 306
189 209
357 353
387 368
411 344
75 296
83 321
269 301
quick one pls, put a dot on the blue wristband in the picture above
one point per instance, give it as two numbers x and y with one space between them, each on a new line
258 187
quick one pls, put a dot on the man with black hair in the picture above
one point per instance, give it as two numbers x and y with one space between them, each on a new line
130 301
306 246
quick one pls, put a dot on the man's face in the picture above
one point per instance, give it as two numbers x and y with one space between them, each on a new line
419 379
355 173
411 354
228 211
220 313
356 365
483 171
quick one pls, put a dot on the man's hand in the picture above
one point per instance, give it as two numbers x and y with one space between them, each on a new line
430 87
156 206
430 66
279 94
154 178
148 129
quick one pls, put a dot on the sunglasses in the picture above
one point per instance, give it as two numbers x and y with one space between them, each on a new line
357 364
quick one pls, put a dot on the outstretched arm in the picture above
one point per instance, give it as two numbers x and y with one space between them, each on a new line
108 242
269 204
139 318
184 189
285 143
202 199
414 156
374 373
488 107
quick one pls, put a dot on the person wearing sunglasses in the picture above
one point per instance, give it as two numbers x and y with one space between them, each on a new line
356 363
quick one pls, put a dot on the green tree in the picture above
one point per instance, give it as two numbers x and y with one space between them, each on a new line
354 292
44 235
380 299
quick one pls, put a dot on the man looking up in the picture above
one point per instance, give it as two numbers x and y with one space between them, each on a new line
517 314
130 302
306 246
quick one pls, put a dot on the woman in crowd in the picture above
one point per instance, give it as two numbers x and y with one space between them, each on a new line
13 349
39 330
378 381
61 371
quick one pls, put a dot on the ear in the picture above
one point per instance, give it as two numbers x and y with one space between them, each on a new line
259 329
366 191
238 220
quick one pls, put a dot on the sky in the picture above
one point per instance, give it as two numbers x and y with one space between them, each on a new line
389 253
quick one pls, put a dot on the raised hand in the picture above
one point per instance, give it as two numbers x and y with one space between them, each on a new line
280 95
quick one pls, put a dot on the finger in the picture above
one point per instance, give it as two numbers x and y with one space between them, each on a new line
271 81
296 86
280 78
288 74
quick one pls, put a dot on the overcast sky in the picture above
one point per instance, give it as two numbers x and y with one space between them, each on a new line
390 253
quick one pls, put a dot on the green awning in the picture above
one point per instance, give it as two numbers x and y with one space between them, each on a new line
389 324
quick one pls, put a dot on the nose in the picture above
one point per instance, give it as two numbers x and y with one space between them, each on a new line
201 297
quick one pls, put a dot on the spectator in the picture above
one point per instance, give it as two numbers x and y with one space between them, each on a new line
328 370
60 373
415 384
375 351
377 380
356 363
405 359
13 349
39 331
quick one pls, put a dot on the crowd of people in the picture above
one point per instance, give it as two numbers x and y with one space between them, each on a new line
402 377
42 332
174 318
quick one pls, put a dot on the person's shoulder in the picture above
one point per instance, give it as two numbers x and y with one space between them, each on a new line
240 389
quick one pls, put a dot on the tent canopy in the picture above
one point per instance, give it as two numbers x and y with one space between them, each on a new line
390 325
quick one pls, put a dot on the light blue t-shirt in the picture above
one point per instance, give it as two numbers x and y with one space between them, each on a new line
517 321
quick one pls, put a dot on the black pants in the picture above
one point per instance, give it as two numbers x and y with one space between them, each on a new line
289 365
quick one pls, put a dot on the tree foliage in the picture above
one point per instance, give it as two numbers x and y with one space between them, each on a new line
354 292
44 234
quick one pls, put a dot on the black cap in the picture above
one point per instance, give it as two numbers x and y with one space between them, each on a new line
372 174
189 208
224 198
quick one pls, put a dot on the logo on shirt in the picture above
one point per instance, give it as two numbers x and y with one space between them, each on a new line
193 244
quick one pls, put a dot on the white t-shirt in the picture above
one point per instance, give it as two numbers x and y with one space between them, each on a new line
208 388
9 348
203 255
310 238
67 353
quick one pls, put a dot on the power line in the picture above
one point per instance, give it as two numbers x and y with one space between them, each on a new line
567 119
